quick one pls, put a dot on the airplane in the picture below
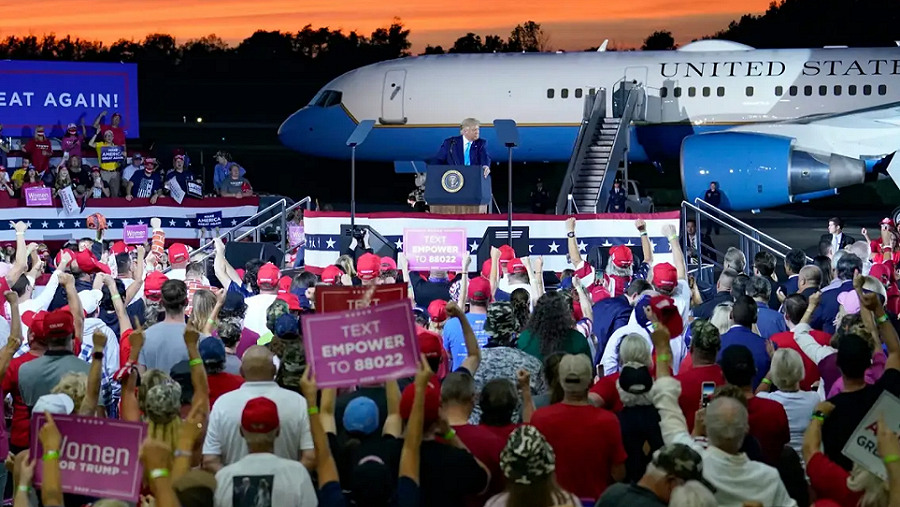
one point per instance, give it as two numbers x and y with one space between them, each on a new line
770 126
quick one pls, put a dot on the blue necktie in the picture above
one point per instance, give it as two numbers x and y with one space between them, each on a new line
466 154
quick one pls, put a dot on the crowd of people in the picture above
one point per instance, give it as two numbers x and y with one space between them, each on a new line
627 385
102 166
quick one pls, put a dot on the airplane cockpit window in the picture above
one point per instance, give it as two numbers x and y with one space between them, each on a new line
882 89
837 90
867 90
327 98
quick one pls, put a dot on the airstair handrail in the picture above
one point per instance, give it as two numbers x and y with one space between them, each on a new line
594 112
743 224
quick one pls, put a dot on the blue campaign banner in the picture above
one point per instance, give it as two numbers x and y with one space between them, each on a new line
213 219
112 154
54 94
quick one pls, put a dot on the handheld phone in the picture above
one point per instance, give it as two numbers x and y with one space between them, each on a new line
706 393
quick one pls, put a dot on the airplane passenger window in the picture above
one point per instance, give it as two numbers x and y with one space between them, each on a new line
564 93
706 91
578 93
779 91
592 91
823 90
851 90
882 89
663 92
792 91
867 90
837 90
749 91
677 91
807 90
692 92
720 91
549 93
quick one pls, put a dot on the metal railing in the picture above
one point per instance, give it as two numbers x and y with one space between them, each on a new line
279 210
594 112
751 240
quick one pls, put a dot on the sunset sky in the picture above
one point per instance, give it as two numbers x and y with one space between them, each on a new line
571 24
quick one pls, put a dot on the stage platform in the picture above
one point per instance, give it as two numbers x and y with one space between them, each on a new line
547 232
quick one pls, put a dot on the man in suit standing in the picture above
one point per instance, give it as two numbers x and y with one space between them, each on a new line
713 197
466 148
836 236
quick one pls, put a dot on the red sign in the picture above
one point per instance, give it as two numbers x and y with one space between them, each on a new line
365 346
339 299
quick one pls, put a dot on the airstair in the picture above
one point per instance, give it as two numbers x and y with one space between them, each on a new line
599 151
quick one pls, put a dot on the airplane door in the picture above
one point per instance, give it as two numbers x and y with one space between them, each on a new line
636 76
392 98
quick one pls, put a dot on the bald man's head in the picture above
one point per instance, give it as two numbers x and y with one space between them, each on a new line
257 364
726 424
810 276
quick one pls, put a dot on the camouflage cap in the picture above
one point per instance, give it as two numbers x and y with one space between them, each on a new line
705 336
682 462
278 308
163 402
501 322
527 456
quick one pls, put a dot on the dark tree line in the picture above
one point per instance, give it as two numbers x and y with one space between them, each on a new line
527 37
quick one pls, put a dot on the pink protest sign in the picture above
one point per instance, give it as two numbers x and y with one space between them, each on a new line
364 346
295 234
38 196
97 457
439 249
134 234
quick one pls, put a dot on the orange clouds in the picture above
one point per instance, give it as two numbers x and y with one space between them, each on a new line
572 24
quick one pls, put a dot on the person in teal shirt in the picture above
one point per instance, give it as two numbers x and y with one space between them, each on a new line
552 329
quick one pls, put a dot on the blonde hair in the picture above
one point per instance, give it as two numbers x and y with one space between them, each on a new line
346 263
721 317
787 369
873 284
634 349
167 432
74 385
874 490
468 123
202 305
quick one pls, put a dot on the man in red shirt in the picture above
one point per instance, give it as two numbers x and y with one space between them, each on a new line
39 150
212 351
457 402
794 307
587 440
768 420
21 419
705 343
115 121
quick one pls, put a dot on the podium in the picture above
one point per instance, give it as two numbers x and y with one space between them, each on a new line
457 189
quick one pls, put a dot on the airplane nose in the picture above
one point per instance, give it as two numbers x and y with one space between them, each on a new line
296 129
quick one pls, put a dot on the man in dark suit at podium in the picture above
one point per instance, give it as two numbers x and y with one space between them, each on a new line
466 148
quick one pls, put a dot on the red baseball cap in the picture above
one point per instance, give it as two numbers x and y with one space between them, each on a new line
368 266
59 255
516 266
119 247
331 275
667 313
59 324
153 285
292 301
268 275
240 272
621 256
178 253
486 269
35 323
479 289
89 264
284 284
437 310
665 276
881 272
260 415
598 292
887 221
432 402
430 343
506 254
388 264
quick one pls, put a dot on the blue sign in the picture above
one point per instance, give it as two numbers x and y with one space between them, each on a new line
213 219
54 94
111 154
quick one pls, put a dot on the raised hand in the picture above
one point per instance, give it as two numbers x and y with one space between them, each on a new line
523 377
668 230
191 336
495 253
308 384
640 225
453 310
19 226
423 372
66 279
815 299
99 338
570 224
49 434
